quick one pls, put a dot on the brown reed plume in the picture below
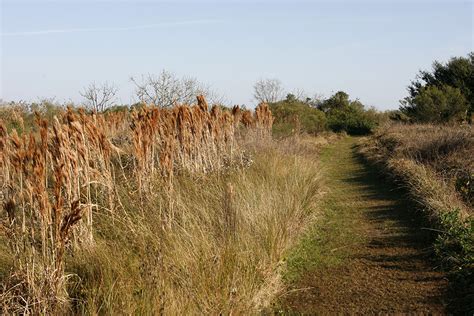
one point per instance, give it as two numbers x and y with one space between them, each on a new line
264 120
51 179
40 218
55 178
191 138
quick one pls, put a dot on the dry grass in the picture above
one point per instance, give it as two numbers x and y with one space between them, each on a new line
186 210
435 163
443 155
51 179
222 253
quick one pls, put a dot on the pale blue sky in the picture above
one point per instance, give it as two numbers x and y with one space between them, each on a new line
370 49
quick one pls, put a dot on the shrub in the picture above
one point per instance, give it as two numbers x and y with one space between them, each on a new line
455 241
349 116
292 115
351 120
436 104
426 92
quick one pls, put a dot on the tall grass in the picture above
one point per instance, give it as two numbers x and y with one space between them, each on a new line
221 254
446 152
186 210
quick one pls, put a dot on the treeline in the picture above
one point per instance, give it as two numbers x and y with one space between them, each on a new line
443 95
337 113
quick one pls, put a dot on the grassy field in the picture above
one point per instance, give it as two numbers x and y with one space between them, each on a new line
191 210
126 230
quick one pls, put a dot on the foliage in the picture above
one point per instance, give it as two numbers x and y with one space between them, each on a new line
436 104
338 101
118 108
21 116
351 120
292 115
457 73
397 116
455 241
348 116
337 113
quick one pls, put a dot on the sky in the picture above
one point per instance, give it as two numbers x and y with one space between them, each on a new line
370 49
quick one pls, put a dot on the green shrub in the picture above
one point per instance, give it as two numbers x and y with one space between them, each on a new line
352 120
351 116
444 93
436 104
455 242
293 116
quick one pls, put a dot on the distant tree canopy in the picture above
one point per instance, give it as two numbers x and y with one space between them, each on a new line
348 115
292 115
339 100
337 113
446 93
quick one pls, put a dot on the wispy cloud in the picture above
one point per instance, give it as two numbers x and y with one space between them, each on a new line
113 29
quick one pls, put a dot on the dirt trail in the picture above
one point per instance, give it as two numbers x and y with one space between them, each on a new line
374 257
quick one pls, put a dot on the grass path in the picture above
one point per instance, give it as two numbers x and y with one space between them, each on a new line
367 254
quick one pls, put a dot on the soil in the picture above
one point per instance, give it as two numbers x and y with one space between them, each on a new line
384 263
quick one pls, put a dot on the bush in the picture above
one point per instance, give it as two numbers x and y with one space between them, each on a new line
455 242
436 104
430 96
349 116
352 120
292 115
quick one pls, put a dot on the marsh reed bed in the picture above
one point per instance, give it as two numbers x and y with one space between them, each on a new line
179 210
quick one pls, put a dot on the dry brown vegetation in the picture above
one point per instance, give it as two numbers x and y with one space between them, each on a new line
182 210
444 154
436 165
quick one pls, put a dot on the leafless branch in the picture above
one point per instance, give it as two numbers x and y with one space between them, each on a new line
99 97
268 90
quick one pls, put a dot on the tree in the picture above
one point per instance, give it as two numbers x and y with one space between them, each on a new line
292 115
99 97
339 100
290 97
436 104
316 101
348 115
268 90
458 73
167 90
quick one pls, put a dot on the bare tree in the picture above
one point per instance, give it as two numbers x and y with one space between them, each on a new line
268 90
299 94
99 97
167 90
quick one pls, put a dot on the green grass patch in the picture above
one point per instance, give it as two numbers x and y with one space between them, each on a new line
328 240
